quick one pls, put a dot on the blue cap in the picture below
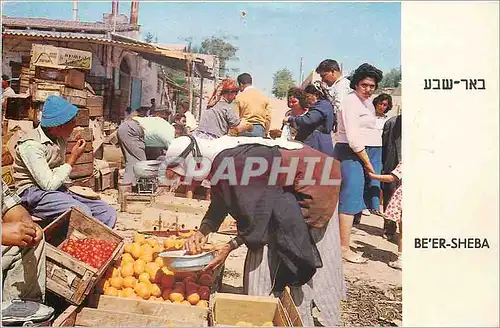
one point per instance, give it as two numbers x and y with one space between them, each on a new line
57 111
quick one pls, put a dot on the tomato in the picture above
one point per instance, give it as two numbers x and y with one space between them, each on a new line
94 252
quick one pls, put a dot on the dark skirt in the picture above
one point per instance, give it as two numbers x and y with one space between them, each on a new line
320 141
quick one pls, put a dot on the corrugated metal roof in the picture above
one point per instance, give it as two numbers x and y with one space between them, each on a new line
73 37
59 24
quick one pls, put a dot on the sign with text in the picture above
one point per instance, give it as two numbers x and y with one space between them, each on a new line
62 58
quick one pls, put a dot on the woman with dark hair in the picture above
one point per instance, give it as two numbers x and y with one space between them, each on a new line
296 100
356 137
315 126
382 104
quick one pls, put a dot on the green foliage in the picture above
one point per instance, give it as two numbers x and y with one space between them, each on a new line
149 37
219 47
391 79
282 81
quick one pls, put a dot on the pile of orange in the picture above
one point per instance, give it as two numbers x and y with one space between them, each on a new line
141 274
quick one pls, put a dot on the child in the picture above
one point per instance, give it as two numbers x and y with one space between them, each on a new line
394 209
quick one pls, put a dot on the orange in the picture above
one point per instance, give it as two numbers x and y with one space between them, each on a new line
116 282
193 298
186 303
129 282
142 290
179 244
155 290
202 303
106 284
136 250
158 248
167 271
159 261
176 297
177 302
116 272
169 243
139 267
127 270
111 291
151 268
128 248
126 258
147 257
152 242
144 277
139 238
128 292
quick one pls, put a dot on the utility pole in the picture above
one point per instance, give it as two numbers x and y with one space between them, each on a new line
301 71
75 10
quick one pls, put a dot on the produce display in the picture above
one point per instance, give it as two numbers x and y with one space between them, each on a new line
141 274
249 324
94 252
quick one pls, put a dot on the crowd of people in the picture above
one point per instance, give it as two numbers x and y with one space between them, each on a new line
297 234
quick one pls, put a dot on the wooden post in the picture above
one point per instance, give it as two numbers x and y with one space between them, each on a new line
201 98
188 71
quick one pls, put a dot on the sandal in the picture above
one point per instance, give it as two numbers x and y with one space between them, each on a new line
377 212
359 259
396 264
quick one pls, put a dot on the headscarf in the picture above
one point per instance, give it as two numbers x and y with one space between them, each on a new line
225 85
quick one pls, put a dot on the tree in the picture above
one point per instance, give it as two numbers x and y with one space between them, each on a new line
219 47
282 81
149 37
391 79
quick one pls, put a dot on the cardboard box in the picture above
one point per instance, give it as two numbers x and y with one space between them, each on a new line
62 58
230 309
66 276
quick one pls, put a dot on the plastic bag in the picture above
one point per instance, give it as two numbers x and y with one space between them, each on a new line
286 133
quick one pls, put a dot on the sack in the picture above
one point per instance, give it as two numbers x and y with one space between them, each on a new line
286 133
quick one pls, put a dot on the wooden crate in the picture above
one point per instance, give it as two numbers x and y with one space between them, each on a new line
229 309
82 117
106 179
82 170
66 276
95 104
88 147
87 157
75 96
88 182
84 133
45 90
70 77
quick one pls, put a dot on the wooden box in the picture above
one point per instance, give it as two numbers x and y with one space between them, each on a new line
66 276
106 179
75 96
87 157
88 147
82 117
88 182
82 170
84 133
122 312
95 104
70 77
231 309
44 90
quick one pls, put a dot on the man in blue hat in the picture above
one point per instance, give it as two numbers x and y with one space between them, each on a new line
40 167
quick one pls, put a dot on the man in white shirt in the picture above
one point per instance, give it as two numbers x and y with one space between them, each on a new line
191 122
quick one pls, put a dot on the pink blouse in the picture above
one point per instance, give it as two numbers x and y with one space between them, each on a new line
358 124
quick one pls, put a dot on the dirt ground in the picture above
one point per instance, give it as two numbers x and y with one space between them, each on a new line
374 289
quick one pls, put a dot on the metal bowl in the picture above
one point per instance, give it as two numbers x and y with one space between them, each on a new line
178 261
147 169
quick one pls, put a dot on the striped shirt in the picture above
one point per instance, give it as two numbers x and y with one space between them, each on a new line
9 198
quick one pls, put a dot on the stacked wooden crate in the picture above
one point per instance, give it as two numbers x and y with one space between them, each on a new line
62 72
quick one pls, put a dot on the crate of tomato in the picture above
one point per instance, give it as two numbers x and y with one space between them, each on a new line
79 250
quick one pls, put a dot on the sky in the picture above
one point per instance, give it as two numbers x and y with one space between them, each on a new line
272 35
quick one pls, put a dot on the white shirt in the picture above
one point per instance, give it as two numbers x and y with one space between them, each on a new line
191 122
339 90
